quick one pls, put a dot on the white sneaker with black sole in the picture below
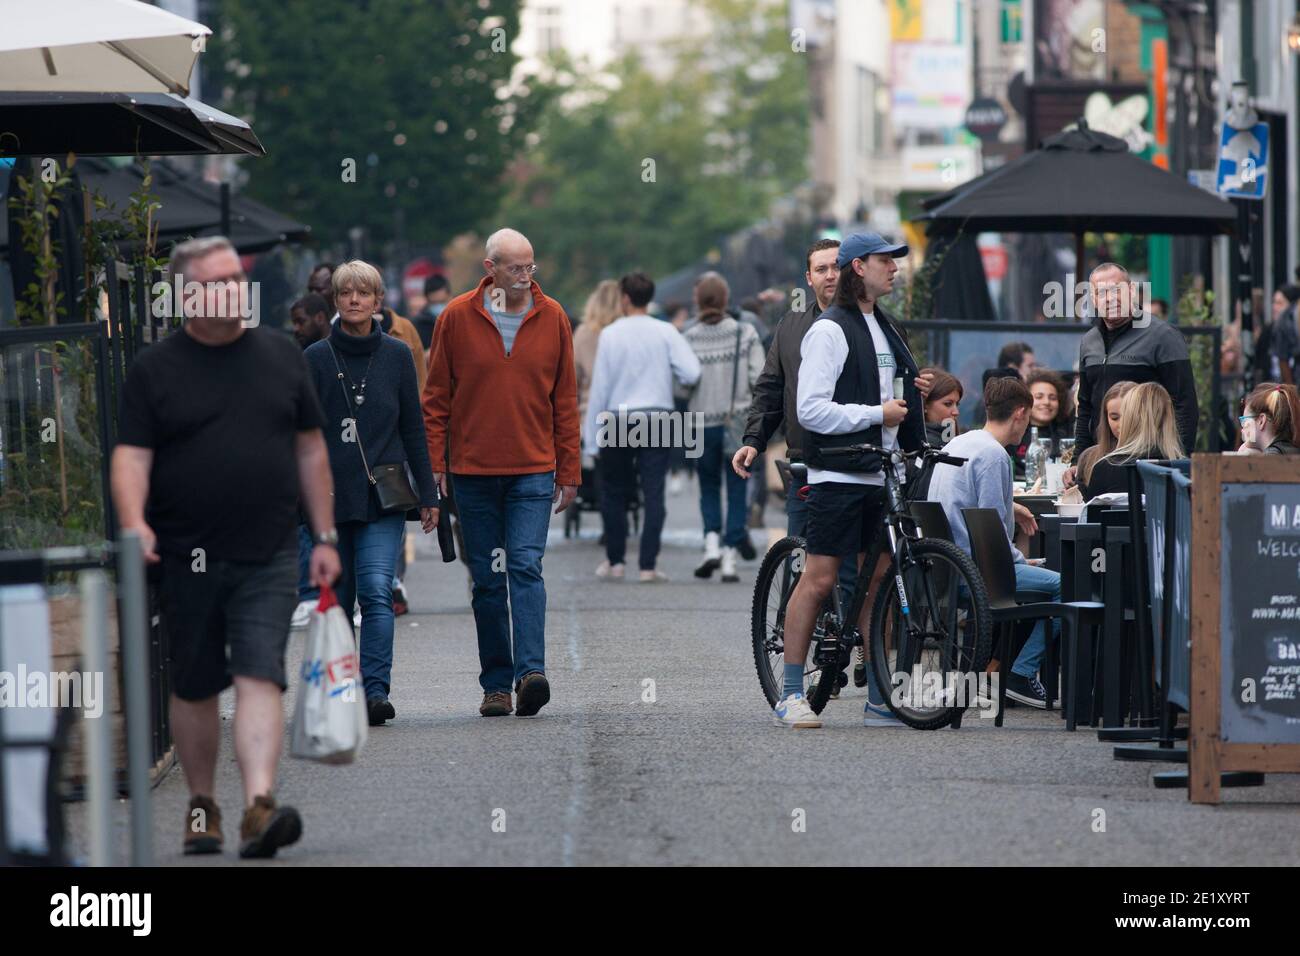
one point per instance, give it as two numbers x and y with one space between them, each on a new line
729 566
1027 690
712 556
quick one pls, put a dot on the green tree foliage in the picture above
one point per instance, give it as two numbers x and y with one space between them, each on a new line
626 170
411 91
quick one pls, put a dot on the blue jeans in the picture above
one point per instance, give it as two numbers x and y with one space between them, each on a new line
368 553
796 518
505 519
711 466
305 544
1030 578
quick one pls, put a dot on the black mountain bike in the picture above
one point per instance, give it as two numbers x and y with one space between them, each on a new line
930 627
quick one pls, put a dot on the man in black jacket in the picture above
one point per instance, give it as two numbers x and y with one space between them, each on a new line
774 393
1128 345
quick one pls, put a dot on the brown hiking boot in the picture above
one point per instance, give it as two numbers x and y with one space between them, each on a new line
202 827
533 693
266 827
495 704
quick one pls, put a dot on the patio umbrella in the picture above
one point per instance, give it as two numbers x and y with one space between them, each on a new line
96 46
190 206
1081 181
118 124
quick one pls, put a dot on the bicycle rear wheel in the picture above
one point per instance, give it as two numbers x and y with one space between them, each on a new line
930 660
777 577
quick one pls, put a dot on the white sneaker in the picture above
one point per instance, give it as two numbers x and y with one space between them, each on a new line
729 565
794 712
712 556
607 570
302 614
879 715
652 576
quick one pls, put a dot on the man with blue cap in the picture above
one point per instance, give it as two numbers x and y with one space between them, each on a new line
853 360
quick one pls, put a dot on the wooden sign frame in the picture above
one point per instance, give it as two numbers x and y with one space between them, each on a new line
1208 754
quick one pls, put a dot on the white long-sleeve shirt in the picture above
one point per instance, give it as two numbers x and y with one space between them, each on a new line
823 352
637 358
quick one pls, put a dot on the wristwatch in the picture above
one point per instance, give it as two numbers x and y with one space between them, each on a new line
330 537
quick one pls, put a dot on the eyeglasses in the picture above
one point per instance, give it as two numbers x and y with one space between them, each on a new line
1246 418
528 270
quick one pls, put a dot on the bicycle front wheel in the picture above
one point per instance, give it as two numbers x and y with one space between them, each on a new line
929 658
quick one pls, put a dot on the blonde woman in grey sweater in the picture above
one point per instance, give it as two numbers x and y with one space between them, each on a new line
731 358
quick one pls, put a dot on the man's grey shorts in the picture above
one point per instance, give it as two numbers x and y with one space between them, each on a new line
230 619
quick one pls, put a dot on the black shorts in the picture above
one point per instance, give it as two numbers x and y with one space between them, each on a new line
229 619
844 518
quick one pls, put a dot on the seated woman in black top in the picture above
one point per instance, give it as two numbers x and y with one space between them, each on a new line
1052 414
1270 420
1107 435
1147 429
1053 411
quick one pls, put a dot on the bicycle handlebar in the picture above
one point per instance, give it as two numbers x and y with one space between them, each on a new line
928 452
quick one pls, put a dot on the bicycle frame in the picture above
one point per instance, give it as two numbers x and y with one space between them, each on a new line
899 529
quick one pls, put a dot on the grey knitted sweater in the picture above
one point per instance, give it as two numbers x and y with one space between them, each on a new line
714 345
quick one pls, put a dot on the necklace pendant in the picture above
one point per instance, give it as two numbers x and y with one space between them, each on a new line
361 399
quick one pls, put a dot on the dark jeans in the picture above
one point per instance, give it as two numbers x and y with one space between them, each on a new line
504 519
619 469
714 468
368 554
305 544
796 517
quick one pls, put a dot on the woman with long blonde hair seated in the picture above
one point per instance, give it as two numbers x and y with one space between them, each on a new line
1147 429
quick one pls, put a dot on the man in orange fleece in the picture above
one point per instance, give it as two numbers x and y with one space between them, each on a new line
501 415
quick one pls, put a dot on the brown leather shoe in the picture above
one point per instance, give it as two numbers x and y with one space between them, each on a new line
202 827
266 827
533 693
496 704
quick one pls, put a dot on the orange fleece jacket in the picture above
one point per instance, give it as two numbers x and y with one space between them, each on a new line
495 414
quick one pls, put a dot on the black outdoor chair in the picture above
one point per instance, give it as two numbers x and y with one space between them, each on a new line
992 554
931 519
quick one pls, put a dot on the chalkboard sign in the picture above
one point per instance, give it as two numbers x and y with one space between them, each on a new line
1245 616
1259 611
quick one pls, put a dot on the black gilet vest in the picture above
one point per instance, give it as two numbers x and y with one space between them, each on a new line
859 384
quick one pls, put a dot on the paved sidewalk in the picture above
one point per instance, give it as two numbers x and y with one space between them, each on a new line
700 775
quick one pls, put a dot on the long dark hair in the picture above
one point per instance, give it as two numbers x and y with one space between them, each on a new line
849 290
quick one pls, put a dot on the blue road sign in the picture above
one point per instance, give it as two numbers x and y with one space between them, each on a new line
1243 162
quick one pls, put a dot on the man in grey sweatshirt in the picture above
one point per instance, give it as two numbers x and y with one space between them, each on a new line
985 482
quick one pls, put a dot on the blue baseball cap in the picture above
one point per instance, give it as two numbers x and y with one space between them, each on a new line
862 244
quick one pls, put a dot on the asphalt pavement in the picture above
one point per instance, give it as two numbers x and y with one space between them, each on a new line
658 748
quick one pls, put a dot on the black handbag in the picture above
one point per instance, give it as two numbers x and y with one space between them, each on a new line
391 483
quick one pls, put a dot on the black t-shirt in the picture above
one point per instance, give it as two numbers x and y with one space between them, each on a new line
222 421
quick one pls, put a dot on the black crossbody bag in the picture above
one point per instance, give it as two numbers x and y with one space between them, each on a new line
391 483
